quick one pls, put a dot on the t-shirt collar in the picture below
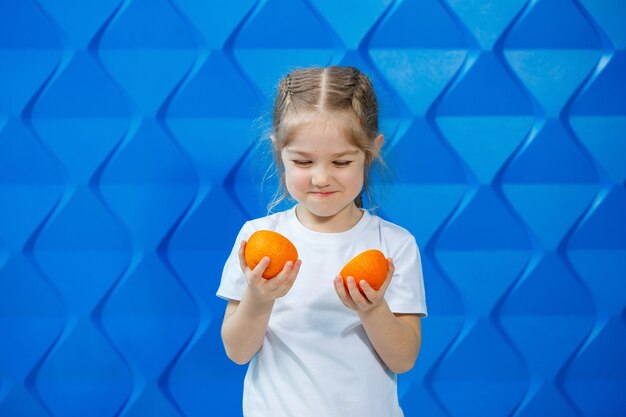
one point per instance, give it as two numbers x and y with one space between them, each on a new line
327 237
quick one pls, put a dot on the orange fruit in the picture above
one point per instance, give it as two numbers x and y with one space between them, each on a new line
370 266
268 243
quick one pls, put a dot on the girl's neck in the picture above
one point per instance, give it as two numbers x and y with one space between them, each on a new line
346 219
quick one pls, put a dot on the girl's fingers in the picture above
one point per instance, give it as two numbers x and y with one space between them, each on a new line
355 294
282 282
351 297
288 280
390 272
340 288
342 293
362 296
292 274
370 293
391 268
242 256
282 276
291 278
260 268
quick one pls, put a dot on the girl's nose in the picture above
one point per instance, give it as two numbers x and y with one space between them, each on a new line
320 177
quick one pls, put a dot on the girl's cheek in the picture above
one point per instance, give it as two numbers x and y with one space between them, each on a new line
298 174
294 178
354 173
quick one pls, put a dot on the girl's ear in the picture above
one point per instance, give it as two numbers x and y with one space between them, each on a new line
273 138
378 141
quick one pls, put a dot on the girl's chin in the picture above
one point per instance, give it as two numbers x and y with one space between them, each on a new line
324 211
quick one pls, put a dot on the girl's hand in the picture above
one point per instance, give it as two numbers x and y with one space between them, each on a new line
354 299
262 289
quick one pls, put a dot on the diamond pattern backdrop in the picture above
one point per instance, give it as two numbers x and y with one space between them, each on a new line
129 159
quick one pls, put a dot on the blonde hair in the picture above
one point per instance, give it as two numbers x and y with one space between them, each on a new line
342 93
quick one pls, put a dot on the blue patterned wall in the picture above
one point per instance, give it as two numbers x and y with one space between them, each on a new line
128 163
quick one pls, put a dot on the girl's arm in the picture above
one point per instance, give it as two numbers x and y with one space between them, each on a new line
396 337
243 329
245 322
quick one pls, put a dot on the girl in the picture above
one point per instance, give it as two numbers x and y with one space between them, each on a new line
317 348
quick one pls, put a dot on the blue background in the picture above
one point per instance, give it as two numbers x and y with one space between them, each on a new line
129 159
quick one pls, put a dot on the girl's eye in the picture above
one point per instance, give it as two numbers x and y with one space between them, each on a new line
302 163
342 163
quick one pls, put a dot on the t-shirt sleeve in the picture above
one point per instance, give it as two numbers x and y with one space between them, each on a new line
233 282
405 293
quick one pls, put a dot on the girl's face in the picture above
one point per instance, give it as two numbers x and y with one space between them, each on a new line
324 172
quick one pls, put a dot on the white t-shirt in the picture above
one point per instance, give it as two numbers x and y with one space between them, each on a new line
316 359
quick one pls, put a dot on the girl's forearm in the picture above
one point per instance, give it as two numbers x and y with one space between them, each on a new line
396 342
244 329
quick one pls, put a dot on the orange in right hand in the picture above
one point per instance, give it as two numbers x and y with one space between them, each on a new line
370 266
268 243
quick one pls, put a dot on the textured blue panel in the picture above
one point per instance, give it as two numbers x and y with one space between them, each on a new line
547 298
20 15
132 45
419 65
481 365
266 46
27 57
486 88
486 216
83 22
82 89
606 96
529 183
607 389
218 80
215 28
430 162
24 305
608 14
82 250
165 314
165 179
27 194
130 157
470 136
554 24
83 374
424 24
362 15
486 19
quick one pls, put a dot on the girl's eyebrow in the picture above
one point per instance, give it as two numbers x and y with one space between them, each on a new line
335 155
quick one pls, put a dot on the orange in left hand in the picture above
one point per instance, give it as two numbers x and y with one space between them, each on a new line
272 244
370 266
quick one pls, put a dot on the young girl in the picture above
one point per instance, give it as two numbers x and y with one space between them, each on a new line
315 347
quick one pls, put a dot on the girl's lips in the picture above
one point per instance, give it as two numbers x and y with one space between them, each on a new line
322 194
